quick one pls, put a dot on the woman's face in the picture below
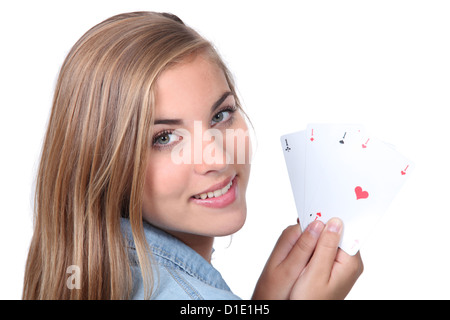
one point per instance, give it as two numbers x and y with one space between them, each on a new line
200 146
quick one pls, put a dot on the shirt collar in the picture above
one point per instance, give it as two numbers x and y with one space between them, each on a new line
168 249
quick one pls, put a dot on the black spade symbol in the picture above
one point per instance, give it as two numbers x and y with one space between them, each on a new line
342 141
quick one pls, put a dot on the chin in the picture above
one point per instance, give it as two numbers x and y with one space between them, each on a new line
229 225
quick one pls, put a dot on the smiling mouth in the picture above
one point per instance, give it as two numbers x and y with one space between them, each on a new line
215 193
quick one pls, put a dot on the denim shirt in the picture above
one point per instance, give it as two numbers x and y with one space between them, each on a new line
179 272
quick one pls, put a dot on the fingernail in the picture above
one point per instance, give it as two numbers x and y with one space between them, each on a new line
334 225
315 228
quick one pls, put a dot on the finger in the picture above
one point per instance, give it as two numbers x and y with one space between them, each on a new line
289 258
324 256
273 284
284 244
350 267
293 245
304 247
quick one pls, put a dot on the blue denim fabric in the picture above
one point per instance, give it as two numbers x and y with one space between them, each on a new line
179 272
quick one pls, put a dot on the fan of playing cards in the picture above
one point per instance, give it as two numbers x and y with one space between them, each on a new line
340 171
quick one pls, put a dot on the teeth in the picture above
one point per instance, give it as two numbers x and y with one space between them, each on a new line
213 194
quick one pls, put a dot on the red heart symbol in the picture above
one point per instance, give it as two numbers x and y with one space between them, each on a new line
360 194
403 173
364 146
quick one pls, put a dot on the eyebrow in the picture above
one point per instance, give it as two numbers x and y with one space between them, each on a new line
179 121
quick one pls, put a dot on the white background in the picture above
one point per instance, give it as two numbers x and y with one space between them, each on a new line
385 64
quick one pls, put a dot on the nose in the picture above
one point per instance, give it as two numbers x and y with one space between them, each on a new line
210 154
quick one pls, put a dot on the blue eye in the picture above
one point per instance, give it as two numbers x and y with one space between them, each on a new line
165 138
223 115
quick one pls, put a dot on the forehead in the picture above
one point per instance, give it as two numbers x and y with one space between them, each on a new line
191 86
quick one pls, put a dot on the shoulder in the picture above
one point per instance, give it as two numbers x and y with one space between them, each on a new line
173 283
178 271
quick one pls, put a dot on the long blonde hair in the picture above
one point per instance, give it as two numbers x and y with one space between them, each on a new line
94 155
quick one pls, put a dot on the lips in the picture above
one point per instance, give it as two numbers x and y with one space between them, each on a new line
219 195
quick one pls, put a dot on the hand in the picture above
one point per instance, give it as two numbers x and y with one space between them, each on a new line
309 265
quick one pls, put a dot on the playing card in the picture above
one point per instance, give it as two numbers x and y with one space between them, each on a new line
294 155
358 186
340 171
324 143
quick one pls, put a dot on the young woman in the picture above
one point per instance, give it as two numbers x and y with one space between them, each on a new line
145 161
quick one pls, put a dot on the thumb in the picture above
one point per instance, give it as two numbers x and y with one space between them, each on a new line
285 244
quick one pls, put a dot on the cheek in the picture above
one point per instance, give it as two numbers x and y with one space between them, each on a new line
164 184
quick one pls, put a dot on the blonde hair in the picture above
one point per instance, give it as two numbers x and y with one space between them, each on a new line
94 155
